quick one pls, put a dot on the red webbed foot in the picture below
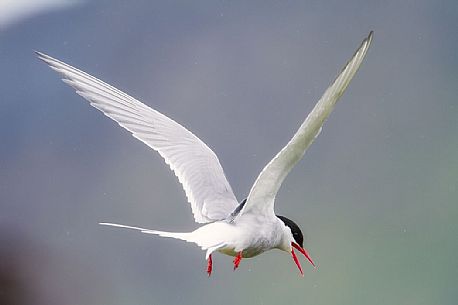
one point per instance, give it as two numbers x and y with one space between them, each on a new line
209 265
237 260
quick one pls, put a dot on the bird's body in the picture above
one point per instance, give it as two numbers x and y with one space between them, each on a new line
251 235
242 230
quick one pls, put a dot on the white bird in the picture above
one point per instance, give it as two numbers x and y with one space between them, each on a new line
244 229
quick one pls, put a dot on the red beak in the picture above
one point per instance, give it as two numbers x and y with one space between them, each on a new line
297 261
303 251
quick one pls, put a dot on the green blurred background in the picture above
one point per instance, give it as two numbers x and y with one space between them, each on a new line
376 194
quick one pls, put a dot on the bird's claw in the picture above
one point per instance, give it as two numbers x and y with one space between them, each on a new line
237 260
209 265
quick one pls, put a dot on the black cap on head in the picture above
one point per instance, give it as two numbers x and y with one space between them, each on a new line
297 233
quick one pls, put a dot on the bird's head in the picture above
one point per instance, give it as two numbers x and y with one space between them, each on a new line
296 240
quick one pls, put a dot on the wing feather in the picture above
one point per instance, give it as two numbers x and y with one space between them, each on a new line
193 162
262 194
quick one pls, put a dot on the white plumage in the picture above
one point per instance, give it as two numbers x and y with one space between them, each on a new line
196 166
241 230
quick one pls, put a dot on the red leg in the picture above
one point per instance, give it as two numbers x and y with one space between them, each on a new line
209 265
237 260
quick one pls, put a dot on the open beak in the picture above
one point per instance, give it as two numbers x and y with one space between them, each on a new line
303 251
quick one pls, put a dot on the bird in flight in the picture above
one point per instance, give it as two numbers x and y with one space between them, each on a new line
241 230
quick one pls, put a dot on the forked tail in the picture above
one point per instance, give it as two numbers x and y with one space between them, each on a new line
206 237
181 236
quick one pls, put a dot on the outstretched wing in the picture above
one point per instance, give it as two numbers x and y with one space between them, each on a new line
262 194
194 163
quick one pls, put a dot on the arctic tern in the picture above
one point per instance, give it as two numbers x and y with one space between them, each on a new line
241 230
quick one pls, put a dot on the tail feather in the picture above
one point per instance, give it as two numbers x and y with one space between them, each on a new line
181 236
204 237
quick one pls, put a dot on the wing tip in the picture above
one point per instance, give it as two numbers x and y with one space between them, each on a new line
366 43
50 61
368 39
42 56
360 52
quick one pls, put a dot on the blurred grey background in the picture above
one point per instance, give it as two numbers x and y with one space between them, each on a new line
376 194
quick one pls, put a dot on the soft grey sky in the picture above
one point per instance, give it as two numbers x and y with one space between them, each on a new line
376 194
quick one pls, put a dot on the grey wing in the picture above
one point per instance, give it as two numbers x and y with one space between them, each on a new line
263 192
194 163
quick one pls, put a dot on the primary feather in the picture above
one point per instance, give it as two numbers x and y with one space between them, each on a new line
262 194
194 163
